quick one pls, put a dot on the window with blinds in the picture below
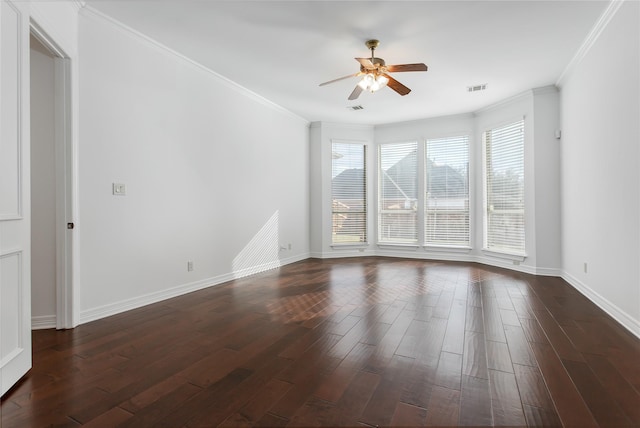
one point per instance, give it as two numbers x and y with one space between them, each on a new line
398 193
504 189
348 193
446 215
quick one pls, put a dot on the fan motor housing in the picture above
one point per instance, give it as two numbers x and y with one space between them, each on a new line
377 62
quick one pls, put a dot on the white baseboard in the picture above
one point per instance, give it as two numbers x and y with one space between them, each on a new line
442 256
147 299
626 320
549 272
43 322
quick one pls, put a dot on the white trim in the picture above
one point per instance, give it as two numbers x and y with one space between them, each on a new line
43 322
23 317
394 251
88 11
549 272
64 46
140 301
356 246
424 121
451 257
522 96
360 252
549 89
502 255
45 39
626 320
590 40
256 269
430 249
78 4
147 299
65 169
18 214
399 246
347 141
342 126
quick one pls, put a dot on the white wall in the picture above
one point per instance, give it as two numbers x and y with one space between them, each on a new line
43 187
600 176
546 115
213 174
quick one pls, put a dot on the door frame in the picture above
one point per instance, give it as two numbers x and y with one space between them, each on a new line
65 167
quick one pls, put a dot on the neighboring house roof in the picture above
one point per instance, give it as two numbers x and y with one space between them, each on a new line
400 183
348 184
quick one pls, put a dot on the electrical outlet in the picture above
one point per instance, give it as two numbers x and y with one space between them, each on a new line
585 267
516 262
289 246
119 189
189 266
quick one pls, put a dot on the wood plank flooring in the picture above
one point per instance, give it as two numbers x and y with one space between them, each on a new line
345 342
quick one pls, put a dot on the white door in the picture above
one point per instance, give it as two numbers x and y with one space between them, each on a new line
15 259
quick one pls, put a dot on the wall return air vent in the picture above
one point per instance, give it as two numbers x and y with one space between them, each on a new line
476 88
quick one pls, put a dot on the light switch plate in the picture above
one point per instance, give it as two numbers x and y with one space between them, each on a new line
119 189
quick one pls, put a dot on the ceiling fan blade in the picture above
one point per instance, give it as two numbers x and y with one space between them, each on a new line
406 67
356 92
366 63
339 78
397 86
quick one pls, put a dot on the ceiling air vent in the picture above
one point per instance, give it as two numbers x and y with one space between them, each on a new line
355 108
476 88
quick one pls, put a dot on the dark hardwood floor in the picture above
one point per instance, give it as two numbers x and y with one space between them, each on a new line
347 342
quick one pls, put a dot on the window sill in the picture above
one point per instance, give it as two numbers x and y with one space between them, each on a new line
505 255
443 249
390 245
350 246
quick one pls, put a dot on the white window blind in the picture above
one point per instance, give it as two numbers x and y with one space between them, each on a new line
504 189
398 193
348 193
446 214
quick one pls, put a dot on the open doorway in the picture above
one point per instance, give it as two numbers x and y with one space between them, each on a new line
51 184
43 187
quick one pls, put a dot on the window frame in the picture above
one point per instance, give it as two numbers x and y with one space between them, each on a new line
463 137
415 243
365 226
497 251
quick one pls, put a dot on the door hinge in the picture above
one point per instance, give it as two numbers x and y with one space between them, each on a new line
70 225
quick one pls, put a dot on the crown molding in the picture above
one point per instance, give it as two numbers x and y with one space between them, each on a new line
351 126
549 89
522 96
88 10
426 120
77 4
590 40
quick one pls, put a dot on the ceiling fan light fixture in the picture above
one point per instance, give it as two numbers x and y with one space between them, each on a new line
373 82
367 81
381 81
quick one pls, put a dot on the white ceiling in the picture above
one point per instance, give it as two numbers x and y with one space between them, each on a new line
282 50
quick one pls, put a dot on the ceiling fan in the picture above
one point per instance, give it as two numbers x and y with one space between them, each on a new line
375 74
